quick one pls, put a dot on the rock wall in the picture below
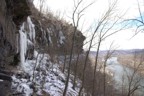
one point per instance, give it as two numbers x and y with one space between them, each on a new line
52 35
12 14
56 36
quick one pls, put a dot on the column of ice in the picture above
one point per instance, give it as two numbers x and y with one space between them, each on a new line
23 45
31 29
24 41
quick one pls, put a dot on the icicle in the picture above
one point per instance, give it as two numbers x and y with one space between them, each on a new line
31 28
49 35
23 45
62 38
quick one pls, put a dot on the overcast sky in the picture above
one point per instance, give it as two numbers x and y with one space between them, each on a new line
123 39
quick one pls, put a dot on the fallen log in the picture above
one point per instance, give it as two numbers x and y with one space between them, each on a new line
6 72
5 77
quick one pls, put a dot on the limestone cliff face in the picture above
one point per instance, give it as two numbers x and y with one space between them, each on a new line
57 36
12 13
51 35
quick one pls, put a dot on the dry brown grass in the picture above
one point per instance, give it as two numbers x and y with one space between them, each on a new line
125 59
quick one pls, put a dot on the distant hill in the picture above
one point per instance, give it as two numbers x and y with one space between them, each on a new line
118 52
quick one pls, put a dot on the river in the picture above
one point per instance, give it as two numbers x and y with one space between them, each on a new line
126 79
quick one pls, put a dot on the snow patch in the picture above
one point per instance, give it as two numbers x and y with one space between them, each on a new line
1 80
22 86
45 76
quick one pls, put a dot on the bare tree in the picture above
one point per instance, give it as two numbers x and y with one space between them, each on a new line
102 31
75 71
107 56
64 64
76 16
135 78
138 22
